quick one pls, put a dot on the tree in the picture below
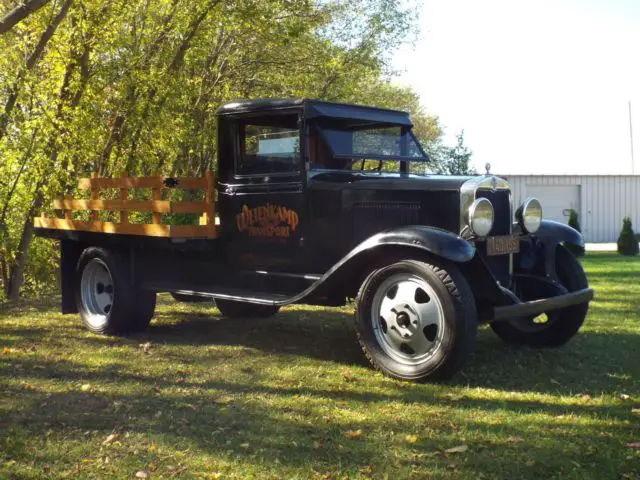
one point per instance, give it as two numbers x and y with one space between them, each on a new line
627 241
453 160
578 251
133 85
19 13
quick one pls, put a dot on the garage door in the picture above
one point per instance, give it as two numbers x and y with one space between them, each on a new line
557 200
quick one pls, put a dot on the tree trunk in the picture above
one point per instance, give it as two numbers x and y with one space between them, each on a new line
19 13
16 269
12 95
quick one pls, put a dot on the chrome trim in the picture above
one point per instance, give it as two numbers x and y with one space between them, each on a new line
520 211
472 212
468 194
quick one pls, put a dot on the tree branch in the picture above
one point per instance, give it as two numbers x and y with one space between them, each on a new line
22 11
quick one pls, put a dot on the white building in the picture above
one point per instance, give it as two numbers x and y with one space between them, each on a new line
600 200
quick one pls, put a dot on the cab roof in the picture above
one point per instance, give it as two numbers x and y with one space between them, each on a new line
316 109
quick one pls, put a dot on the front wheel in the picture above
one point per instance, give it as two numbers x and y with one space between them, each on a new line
553 328
416 321
231 309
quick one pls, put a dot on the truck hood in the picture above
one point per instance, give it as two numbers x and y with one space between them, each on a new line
386 181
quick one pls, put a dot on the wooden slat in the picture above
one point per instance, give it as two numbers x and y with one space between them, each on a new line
104 227
66 212
94 196
124 194
140 182
149 230
159 206
156 196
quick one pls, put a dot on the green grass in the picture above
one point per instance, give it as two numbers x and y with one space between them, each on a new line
292 397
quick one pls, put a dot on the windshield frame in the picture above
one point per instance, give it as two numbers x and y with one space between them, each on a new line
322 126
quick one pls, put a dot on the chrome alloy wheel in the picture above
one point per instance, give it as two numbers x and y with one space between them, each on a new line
96 292
408 319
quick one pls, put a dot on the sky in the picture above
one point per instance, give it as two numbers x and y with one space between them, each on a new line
539 87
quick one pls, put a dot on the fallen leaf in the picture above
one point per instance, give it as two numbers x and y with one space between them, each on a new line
145 347
109 439
353 434
6 351
317 444
458 449
244 445
411 439
514 439
634 445
142 474
85 388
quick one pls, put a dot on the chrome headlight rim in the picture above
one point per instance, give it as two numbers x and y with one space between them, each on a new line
529 215
481 206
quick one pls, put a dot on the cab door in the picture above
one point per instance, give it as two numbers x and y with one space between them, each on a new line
262 203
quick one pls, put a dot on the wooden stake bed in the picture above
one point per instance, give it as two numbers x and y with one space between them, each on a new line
157 206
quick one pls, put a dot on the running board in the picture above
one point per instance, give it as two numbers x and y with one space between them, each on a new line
259 298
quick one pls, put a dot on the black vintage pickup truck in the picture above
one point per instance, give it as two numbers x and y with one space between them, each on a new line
319 203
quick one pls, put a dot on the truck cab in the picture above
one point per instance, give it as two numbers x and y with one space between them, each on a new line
325 203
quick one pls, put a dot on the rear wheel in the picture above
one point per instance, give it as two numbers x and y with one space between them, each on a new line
416 321
232 309
106 300
556 327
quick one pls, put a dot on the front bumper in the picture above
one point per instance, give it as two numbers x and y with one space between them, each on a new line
536 307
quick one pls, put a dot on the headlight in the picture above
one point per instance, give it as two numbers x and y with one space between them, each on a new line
530 215
481 217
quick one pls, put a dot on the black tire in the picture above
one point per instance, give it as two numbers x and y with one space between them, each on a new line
562 324
231 309
457 317
118 307
185 298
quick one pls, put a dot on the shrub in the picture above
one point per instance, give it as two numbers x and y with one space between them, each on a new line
627 242
578 251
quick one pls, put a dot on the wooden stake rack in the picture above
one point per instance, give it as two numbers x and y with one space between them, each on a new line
157 206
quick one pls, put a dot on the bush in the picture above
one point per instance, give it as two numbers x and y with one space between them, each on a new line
627 242
577 250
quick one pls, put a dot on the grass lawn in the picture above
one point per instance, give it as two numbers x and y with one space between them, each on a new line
292 397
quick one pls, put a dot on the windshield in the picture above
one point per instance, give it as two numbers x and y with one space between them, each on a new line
373 142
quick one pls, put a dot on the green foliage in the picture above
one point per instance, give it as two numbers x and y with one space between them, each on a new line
577 250
132 86
449 160
627 241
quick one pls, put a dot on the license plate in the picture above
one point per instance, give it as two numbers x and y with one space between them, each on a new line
503 245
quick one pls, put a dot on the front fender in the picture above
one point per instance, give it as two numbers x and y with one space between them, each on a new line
555 232
433 240
539 252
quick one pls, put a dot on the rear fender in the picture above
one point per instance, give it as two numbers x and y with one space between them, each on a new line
70 251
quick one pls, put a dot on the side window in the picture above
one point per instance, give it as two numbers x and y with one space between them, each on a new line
268 149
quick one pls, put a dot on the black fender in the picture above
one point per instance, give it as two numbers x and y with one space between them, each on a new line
539 252
421 239
554 232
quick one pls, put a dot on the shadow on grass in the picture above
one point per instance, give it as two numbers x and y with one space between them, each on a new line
218 414
204 417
